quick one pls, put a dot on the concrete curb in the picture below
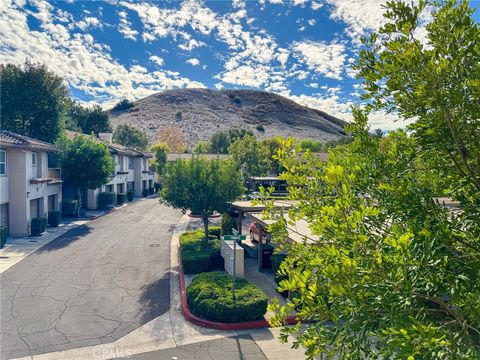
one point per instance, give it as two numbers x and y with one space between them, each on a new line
247 325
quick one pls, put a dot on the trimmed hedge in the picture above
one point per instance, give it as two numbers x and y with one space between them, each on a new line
38 226
227 224
54 218
121 198
130 195
145 192
195 257
210 297
70 208
106 200
3 235
215 231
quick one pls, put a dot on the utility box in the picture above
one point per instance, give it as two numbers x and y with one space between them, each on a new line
226 250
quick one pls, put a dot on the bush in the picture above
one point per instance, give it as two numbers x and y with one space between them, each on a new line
106 200
54 218
123 105
210 296
70 208
195 257
121 198
260 128
227 224
215 231
157 187
277 260
130 195
3 235
151 190
38 226
145 192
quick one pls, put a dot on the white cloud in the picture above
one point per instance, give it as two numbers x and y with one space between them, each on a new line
89 22
326 59
312 22
193 61
125 27
316 5
191 44
85 65
156 59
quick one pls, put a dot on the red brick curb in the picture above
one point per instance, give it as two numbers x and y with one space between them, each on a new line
256 324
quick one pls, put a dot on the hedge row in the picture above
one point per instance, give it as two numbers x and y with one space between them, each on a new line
210 297
196 257
106 200
54 218
130 195
121 197
70 208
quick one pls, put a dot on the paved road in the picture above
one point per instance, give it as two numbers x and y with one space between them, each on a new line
241 347
92 285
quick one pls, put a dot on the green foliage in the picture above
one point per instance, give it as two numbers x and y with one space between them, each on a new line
228 223
70 208
130 137
203 147
395 272
121 197
437 84
85 163
38 226
210 296
215 231
54 218
123 105
221 140
310 144
33 101
3 235
252 156
196 257
160 150
87 119
130 195
201 185
260 128
106 200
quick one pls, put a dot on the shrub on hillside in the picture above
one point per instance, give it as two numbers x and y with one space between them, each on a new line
38 226
106 200
210 296
54 218
123 105
130 195
197 258
70 208
260 128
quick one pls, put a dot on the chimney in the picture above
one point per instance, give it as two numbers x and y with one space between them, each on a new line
107 137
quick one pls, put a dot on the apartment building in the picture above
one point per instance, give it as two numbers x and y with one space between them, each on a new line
30 184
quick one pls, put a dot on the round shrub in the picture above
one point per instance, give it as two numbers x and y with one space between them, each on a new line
210 297
130 195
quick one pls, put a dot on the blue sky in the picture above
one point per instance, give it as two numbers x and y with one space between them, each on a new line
111 50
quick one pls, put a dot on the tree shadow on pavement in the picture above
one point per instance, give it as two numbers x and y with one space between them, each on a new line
155 298
66 239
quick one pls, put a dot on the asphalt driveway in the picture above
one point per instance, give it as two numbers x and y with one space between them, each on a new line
90 286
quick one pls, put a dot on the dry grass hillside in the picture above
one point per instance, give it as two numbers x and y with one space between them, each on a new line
201 112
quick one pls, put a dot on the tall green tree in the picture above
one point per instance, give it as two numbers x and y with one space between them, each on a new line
32 101
394 275
252 156
86 163
202 186
131 137
160 150
87 119
436 82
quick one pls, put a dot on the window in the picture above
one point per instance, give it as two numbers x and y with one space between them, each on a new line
130 163
3 162
34 159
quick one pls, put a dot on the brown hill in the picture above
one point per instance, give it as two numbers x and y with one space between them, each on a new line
199 113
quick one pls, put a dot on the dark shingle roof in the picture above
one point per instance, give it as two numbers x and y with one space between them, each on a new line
8 138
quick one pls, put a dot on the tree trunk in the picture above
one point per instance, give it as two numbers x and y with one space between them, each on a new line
205 226
79 198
